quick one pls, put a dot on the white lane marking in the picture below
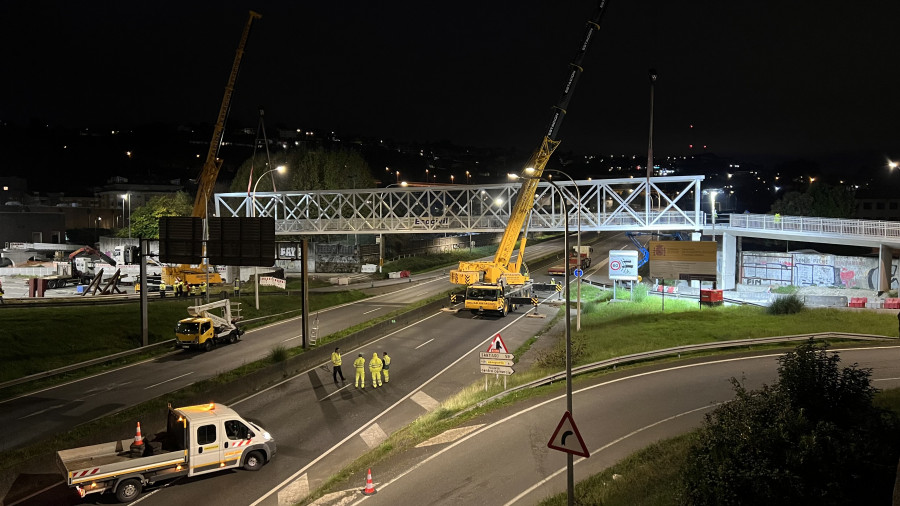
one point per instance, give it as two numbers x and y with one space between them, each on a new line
373 436
607 445
152 359
295 492
585 389
373 310
426 401
43 411
390 408
168 380
423 344
449 436
885 379
336 391
292 338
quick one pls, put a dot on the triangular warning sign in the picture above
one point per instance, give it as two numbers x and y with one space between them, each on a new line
497 345
567 439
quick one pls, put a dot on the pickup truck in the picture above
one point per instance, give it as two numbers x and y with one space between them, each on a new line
198 440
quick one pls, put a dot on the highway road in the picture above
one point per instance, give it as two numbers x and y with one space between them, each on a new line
503 459
37 414
308 414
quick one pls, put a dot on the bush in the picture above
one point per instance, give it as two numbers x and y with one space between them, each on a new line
788 290
278 354
814 437
786 305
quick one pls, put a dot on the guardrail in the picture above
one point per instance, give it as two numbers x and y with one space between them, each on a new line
678 350
87 363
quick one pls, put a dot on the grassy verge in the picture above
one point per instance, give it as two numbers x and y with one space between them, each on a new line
611 329
431 261
39 339
651 476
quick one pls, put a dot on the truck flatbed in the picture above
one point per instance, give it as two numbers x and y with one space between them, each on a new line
98 461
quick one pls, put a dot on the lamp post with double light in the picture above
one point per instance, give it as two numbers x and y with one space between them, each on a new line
281 169
569 458
577 242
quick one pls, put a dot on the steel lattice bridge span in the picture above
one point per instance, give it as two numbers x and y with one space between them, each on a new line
605 204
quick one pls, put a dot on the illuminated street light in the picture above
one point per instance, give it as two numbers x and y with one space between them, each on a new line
281 169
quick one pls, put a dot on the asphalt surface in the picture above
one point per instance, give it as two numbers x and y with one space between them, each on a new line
504 459
449 337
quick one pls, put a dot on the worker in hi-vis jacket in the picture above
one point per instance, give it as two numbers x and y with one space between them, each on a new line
375 366
360 365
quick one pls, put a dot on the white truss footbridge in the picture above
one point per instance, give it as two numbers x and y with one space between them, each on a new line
605 204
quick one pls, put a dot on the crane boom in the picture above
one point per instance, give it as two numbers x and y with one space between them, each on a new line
501 269
210 171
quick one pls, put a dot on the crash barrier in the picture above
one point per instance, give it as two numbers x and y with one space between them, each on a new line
891 303
666 289
676 351
857 302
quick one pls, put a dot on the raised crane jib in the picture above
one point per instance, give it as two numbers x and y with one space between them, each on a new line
210 171
501 268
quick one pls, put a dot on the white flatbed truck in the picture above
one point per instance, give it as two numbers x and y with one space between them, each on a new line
198 440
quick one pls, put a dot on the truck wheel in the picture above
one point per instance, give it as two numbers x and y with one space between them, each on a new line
208 345
254 461
129 490
232 338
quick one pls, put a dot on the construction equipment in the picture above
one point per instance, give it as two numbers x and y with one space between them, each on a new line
77 270
210 171
501 284
198 440
205 329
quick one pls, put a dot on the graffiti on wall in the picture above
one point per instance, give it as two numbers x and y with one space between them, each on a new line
812 269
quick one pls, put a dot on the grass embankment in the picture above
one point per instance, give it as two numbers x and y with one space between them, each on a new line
431 261
612 329
38 339
651 476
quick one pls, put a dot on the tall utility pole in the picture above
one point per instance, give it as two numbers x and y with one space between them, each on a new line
652 74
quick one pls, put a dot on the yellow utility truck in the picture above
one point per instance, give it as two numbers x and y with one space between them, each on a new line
205 329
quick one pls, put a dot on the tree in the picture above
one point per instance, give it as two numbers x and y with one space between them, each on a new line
814 437
315 168
820 200
145 219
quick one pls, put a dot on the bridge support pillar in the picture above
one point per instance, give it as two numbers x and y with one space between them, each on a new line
728 262
885 264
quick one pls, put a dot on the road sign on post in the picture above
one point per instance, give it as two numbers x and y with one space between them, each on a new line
497 369
566 437
497 345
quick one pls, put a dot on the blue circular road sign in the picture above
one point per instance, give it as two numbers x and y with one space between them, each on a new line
578 272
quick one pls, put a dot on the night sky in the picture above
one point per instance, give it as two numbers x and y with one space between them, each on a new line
790 79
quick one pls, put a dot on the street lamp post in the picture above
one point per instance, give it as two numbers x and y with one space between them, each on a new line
578 246
126 196
650 147
712 210
570 459
280 169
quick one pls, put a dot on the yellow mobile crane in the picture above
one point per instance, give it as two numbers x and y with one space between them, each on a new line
210 171
502 284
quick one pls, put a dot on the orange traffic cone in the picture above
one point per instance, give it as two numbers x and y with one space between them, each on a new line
138 438
370 488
